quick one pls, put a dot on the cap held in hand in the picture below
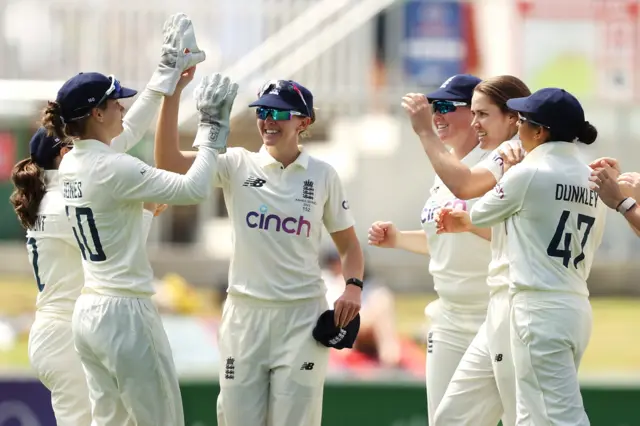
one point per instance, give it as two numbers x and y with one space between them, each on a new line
327 333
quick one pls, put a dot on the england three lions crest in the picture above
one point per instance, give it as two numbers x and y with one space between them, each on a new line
308 192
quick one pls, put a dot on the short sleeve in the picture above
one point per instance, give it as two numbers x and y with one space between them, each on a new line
337 216
227 162
494 162
505 200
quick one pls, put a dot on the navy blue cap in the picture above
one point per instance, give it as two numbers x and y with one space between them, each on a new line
556 109
286 95
327 333
457 88
44 149
81 93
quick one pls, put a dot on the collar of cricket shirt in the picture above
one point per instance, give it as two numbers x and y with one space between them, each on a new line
266 159
554 148
91 144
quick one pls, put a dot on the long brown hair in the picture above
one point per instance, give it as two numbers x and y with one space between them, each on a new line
502 88
28 180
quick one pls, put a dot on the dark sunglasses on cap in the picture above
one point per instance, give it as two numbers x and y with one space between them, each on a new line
113 88
445 107
522 119
283 85
276 114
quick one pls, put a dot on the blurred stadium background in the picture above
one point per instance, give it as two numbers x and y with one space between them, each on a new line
358 57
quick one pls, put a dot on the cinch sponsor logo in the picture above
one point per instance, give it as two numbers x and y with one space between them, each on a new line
290 225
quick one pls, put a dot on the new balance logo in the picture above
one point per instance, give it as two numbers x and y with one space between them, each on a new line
498 357
254 182
307 366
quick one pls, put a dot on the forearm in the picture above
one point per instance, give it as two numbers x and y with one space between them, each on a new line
633 217
453 173
352 261
167 140
413 241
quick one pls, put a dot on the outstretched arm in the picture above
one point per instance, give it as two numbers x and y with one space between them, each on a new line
167 140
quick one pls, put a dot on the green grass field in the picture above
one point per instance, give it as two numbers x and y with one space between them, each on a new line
614 349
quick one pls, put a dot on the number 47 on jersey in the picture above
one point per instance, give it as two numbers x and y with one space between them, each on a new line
560 237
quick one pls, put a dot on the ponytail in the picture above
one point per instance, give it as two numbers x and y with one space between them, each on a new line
588 134
53 122
28 180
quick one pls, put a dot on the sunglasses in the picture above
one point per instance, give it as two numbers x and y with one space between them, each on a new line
276 114
113 88
278 85
522 119
445 107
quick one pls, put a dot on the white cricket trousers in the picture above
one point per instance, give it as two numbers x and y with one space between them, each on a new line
549 334
272 369
450 334
57 364
483 389
128 362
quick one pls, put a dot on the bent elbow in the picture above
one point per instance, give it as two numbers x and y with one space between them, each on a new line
462 192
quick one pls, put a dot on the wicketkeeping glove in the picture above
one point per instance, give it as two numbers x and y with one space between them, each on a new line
214 98
179 52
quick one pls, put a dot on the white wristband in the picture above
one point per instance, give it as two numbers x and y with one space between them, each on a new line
626 205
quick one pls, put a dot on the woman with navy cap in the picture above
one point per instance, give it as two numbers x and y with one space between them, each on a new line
554 225
53 251
278 199
482 388
457 262
117 330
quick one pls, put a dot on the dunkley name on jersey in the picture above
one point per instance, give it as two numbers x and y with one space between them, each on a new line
576 194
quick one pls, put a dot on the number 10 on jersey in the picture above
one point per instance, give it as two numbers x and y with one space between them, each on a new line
82 220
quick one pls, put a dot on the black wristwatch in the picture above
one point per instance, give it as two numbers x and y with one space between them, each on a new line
355 281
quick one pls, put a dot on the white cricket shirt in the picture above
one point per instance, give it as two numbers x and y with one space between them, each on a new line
103 192
277 215
498 275
54 253
554 221
458 261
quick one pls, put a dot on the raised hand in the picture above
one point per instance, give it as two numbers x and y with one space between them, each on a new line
179 53
214 98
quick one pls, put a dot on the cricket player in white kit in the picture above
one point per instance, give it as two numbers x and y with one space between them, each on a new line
278 201
482 390
458 262
57 267
554 224
117 330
